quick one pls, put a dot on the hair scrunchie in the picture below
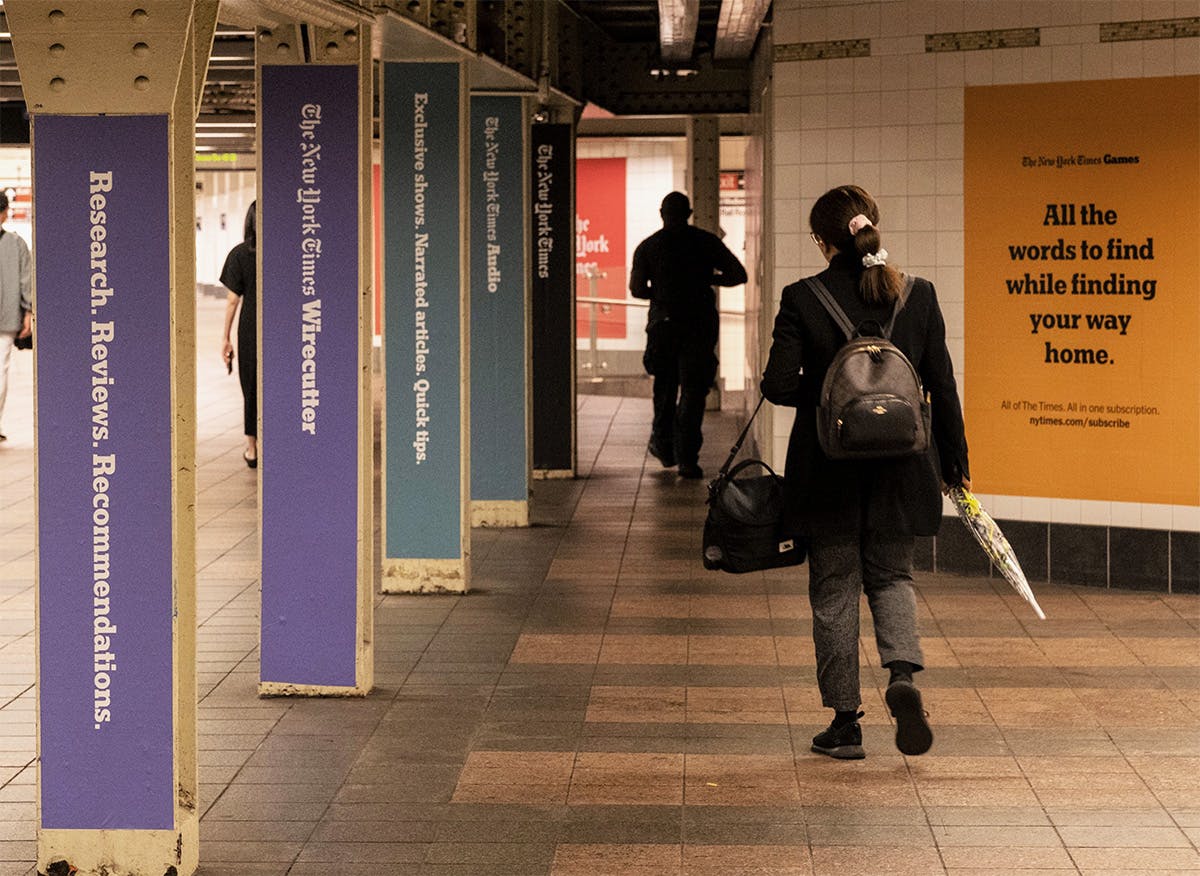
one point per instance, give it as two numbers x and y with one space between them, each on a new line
858 223
874 259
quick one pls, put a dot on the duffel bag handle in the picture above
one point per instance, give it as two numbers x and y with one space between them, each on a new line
737 445
718 483
746 463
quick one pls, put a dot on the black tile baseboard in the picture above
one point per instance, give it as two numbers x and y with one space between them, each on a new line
1153 560
1185 562
1139 559
1079 555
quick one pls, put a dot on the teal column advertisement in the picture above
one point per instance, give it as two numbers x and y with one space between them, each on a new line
499 467
422 311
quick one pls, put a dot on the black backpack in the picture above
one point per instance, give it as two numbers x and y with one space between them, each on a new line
872 403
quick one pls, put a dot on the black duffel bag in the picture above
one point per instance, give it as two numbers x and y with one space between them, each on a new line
743 531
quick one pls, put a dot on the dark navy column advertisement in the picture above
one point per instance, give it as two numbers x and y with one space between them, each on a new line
104 417
309 162
553 314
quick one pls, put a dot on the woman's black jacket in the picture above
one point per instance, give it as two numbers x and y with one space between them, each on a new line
894 496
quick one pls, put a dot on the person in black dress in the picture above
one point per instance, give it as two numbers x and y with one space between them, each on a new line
240 277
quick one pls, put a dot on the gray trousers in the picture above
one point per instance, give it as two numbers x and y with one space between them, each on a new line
839 570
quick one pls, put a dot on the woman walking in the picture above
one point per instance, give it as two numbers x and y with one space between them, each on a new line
240 277
862 516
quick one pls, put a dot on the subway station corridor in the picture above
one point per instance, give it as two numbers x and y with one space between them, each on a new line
600 704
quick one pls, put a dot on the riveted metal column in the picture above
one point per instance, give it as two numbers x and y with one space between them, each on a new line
704 171
314 330
112 91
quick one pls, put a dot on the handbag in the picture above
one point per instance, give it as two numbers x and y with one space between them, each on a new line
25 343
743 530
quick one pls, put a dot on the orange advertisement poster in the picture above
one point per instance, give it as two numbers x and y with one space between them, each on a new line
1082 289
600 270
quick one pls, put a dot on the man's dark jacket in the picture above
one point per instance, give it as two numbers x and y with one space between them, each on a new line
676 268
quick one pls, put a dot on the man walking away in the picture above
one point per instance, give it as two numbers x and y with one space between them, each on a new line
676 269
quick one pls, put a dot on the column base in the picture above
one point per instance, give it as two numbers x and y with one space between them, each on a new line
424 576
121 852
283 689
508 513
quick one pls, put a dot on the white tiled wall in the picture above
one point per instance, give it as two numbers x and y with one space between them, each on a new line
893 123
222 198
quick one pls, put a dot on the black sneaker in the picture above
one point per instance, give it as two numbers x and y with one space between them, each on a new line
691 471
844 743
666 457
913 735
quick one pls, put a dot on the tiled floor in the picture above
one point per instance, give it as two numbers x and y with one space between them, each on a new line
599 704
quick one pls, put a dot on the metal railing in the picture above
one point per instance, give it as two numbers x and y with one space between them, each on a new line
593 365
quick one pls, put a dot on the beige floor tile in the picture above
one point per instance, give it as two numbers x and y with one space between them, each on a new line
1116 859
735 705
1006 858
551 648
666 705
731 651
658 650
840 860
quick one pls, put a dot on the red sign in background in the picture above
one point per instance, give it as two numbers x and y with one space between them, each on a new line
600 245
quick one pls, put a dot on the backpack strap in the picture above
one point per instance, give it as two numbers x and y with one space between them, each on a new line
830 304
899 305
839 316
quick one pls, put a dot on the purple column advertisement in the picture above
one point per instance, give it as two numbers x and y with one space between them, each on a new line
104 417
308 160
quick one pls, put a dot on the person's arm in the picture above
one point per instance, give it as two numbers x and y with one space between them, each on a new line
728 271
639 280
232 300
781 381
231 279
937 376
25 275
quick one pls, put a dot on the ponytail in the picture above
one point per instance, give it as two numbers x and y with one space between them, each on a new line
880 282
847 218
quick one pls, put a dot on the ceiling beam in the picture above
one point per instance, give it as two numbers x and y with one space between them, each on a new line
677 21
737 28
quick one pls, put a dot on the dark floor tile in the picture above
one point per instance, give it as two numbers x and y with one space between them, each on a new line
492 853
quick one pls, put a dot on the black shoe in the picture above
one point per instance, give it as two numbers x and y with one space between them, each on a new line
844 743
251 461
666 457
913 735
691 471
